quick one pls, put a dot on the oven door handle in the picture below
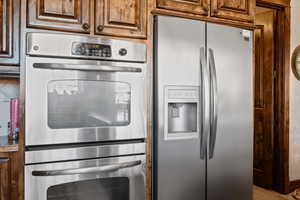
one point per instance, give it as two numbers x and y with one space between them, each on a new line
86 67
88 170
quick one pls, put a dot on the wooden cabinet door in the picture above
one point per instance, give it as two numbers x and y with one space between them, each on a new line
239 10
9 32
61 15
264 99
4 179
200 7
126 18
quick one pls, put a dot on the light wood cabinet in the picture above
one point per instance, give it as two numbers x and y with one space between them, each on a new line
126 18
9 32
200 7
238 10
62 15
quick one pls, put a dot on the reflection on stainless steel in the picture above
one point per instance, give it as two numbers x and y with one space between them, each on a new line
205 109
86 152
214 104
182 117
131 168
88 170
78 105
100 118
103 68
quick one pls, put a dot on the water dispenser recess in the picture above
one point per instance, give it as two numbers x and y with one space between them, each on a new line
181 112
182 117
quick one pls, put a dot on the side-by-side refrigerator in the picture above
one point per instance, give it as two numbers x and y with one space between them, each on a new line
203 111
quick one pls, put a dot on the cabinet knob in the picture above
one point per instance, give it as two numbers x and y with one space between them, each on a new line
86 26
100 28
205 9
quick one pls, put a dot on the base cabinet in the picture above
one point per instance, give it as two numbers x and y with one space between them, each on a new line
5 193
11 176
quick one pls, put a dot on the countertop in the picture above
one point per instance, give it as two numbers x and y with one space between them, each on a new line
7 145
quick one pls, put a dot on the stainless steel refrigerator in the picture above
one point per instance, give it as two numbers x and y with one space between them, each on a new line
203 111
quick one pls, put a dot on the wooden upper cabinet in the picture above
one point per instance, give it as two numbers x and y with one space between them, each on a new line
200 7
124 18
238 10
62 15
9 32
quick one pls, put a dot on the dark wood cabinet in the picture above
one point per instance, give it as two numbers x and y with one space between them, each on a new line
11 176
9 32
126 18
5 178
238 10
62 15
200 7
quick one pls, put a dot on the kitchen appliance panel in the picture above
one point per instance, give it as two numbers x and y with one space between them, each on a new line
229 168
40 80
84 152
179 170
68 45
87 179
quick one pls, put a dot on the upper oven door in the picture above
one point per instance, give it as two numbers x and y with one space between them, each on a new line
71 101
121 178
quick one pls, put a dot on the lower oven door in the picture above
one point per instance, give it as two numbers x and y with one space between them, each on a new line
121 178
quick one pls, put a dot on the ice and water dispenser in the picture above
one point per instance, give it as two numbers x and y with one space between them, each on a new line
181 112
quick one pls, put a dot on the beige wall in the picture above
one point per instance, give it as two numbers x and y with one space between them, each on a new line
295 98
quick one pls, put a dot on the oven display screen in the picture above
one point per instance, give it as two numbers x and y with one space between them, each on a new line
89 49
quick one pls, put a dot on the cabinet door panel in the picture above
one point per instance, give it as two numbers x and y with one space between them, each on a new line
126 18
63 15
9 32
189 6
4 179
239 10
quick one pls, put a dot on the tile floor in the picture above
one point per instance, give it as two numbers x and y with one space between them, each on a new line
262 194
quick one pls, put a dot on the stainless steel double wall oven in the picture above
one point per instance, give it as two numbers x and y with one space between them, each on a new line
85 118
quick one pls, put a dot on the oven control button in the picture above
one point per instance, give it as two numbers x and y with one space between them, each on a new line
80 50
123 52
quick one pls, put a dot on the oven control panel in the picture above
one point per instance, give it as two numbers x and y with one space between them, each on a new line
89 49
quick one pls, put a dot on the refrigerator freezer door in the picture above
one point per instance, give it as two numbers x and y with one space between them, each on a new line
179 170
229 170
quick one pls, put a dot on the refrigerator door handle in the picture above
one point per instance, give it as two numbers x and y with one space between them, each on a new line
204 98
214 104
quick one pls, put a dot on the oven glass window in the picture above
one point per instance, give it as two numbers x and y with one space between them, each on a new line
82 103
116 188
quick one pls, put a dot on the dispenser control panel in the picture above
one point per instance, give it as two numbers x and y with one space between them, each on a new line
182 94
